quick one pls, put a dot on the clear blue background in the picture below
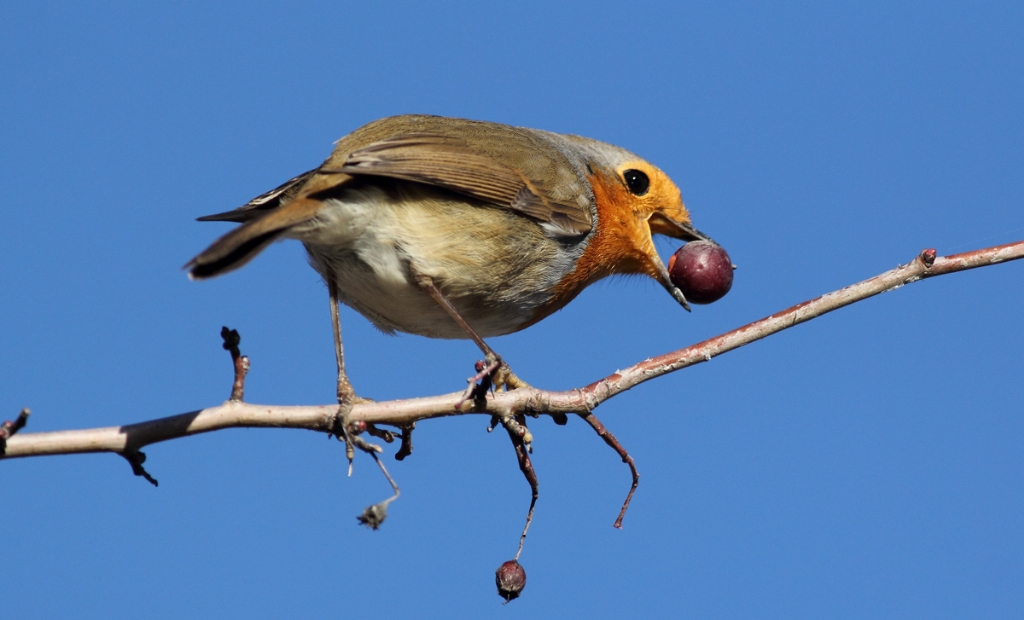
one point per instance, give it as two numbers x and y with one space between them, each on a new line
867 464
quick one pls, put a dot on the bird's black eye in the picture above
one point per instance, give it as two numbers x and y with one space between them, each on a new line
637 182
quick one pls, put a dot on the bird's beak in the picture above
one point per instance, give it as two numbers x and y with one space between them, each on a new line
663 225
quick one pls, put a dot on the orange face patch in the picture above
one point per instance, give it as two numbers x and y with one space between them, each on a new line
622 244
662 197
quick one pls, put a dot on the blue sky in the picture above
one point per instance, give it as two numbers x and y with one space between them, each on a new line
867 463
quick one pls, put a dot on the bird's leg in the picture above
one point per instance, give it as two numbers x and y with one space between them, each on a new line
493 367
346 395
350 432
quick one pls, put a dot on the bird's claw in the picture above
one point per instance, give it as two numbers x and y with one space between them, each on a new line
491 373
347 431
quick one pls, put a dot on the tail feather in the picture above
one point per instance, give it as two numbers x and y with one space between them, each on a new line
235 215
228 254
242 244
267 201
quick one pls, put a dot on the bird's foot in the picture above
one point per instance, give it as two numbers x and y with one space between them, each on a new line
349 431
491 373
503 377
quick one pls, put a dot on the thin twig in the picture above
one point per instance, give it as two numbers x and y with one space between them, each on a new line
406 448
136 458
9 428
241 362
374 515
473 390
525 466
610 439
391 481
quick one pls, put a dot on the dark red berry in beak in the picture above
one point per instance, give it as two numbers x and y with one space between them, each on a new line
702 271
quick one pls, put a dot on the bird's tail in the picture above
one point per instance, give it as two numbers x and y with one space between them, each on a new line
242 244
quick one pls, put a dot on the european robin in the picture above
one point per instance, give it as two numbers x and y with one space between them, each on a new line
451 228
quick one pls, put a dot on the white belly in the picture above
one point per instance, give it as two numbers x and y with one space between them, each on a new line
495 267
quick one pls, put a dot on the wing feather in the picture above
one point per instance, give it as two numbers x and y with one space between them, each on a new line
452 163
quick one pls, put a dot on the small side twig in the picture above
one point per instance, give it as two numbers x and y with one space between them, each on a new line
9 428
241 362
406 448
476 391
391 481
136 458
610 439
516 434
374 515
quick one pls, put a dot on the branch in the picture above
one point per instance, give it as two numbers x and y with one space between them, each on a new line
127 440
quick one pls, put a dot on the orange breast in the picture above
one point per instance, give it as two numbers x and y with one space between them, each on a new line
620 246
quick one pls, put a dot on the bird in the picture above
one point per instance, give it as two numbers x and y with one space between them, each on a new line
454 228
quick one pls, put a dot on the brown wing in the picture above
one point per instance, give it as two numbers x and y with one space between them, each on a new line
526 171
453 163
